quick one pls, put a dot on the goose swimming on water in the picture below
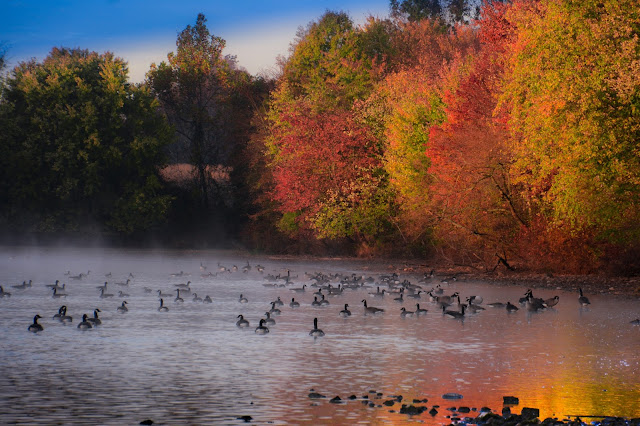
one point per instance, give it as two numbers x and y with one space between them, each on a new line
207 299
405 313
262 329
123 308
242 299
162 308
35 327
582 299
242 323
371 309
315 331
269 320
294 304
178 299
455 314
60 313
345 312
84 325
104 295
5 293
419 310
196 298
95 320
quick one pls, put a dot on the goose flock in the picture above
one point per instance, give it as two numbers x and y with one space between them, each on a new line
318 285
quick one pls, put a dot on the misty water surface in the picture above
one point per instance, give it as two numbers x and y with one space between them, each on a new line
192 365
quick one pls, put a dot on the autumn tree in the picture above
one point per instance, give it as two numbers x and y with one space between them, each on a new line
324 158
80 147
572 92
202 92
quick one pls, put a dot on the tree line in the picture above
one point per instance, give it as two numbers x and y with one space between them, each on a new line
492 134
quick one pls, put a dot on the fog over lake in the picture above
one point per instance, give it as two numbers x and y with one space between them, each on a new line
193 365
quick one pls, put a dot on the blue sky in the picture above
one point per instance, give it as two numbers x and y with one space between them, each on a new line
143 32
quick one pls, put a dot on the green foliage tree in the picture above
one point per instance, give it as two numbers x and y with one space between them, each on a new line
203 94
80 147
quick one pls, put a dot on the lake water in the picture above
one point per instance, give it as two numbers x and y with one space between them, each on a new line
192 365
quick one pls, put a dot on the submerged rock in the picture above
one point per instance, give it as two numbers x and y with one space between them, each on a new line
246 419
316 395
412 410
451 395
530 413
510 400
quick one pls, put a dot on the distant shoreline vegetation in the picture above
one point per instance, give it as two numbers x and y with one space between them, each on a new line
492 135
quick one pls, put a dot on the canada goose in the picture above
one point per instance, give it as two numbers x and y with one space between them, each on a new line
242 323
262 329
583 299
274 310
56 285
534 304
202 267
57 295
415 295
122 294
455 314
405 313
246 268
269 320
64 318
511 307
475 300
439 290
294 304
345 312
318 293
95 320
35 327
371 309
378 293
207 299
552 301
242 299
7 294
23 285
183 285
635 322
124 284
524 298
315 302
399 298
315 331
123 308
496 305
162 308
178 299
161 294
472 307
196 298
177 274
84 325
278 302
60 313
419 310
104 286
324 301
260 268
104 295
447 300
300 290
